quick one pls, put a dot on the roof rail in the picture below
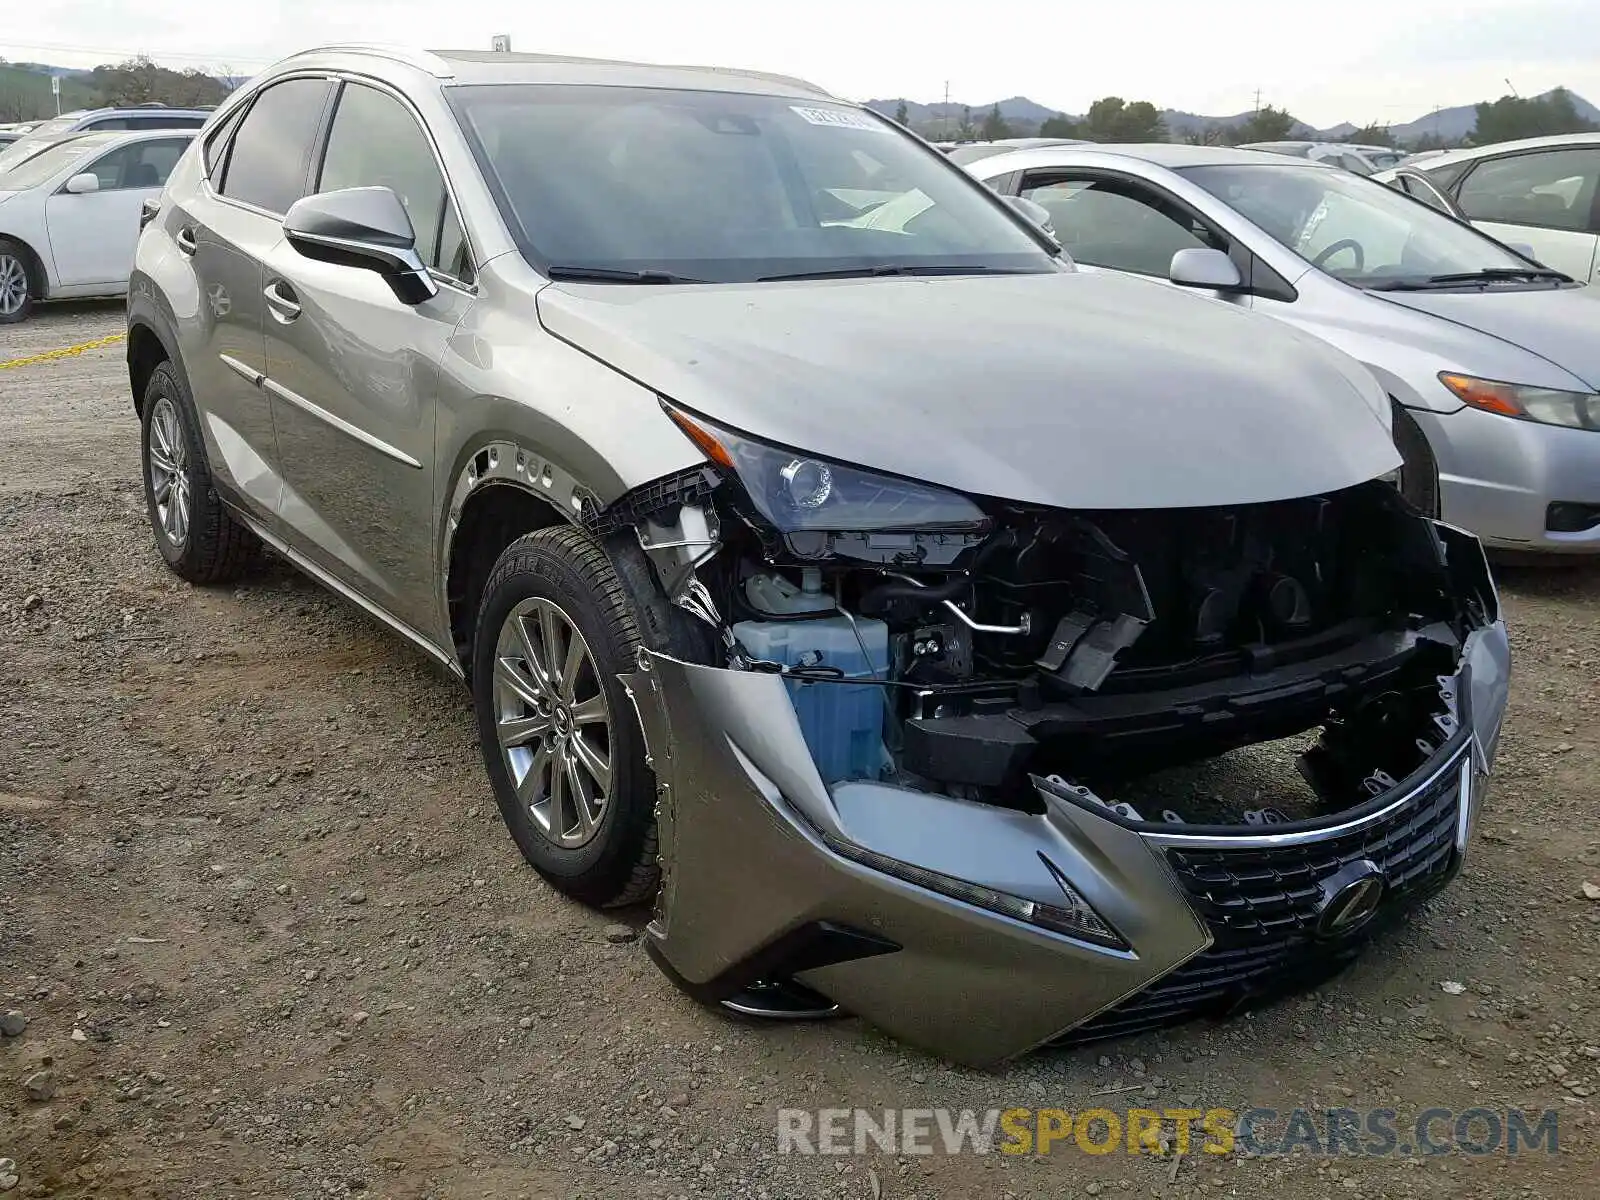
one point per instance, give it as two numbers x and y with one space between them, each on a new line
423 60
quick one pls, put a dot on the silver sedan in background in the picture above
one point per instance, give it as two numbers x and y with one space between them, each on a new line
1492 360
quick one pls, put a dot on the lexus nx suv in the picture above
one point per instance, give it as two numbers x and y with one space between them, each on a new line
830 561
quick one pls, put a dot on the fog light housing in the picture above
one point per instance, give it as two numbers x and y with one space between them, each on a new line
1566 517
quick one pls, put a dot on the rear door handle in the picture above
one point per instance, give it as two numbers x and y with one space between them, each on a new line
281 300
186 241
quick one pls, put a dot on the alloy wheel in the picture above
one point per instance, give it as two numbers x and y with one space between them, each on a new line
13 285
168 465
553 722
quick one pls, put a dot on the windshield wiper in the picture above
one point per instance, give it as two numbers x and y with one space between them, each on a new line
614 275
888 269
1486 275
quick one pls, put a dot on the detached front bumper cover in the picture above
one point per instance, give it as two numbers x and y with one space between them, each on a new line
922 913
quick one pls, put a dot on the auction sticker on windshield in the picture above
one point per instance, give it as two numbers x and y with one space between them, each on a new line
838 118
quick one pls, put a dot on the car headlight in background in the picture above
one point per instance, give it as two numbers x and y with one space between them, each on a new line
797 491
1575 410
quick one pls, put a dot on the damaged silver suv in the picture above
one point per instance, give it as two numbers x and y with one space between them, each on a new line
932 630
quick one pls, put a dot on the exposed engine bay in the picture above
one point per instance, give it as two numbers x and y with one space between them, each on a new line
1080 652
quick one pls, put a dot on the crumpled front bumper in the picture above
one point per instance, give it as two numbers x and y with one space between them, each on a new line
753 887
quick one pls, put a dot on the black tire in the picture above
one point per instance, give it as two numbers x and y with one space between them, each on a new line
13 252
1419 470
215 547
567 568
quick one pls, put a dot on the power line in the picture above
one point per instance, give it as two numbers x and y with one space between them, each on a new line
119 55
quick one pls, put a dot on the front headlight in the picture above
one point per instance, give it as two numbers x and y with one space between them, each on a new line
1575 410
797 491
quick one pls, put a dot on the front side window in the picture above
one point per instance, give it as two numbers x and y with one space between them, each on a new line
726 187
1355 229
267 161
376 142
1554 190
1116 224
139 164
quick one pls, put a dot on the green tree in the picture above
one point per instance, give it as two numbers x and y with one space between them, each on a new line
140 81
966 131
1113 119
1266 124
1372 135
1512 117
902 114
994 126
1059 126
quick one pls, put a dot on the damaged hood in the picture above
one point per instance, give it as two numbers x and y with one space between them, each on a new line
1072 390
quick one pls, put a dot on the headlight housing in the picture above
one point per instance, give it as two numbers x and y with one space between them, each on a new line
1547 406
797 491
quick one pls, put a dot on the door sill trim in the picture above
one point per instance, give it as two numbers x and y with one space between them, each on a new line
305 565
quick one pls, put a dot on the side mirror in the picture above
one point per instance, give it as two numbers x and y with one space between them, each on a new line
80 185
1200 268
365 227
1036 214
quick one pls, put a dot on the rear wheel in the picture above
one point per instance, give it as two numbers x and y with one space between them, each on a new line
16 284
199 539
560 739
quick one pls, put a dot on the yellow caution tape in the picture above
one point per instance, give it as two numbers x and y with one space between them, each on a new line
64 352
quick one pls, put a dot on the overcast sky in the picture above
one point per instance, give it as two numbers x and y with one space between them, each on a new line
1325 60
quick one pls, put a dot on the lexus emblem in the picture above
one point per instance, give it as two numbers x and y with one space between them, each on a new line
1350 898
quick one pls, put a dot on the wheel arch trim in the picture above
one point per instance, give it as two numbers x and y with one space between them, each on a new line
501 460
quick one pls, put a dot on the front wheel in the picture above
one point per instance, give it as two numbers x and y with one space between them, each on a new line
16 287
560 739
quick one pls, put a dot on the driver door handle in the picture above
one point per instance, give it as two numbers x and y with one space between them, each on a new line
281 300
186 241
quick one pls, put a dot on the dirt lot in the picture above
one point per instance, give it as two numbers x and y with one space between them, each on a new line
269 938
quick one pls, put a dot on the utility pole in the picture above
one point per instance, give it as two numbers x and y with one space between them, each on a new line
1258 99
945 123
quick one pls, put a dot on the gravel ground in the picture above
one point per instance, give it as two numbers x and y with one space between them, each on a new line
269 938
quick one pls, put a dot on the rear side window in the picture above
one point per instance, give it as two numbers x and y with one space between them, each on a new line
108 123
266 165
1552 190
374 141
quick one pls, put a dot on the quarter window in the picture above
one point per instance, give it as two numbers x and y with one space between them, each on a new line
376 142
267 164
1555 190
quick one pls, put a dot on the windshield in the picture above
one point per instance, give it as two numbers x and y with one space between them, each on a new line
726 187
38 168
1353 228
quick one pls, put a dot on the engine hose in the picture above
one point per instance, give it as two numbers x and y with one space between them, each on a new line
875 600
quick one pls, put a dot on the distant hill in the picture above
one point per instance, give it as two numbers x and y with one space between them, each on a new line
1025 115
25 92
1453 124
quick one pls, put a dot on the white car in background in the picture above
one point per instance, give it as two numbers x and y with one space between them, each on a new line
1540 193
1356 158
69 216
